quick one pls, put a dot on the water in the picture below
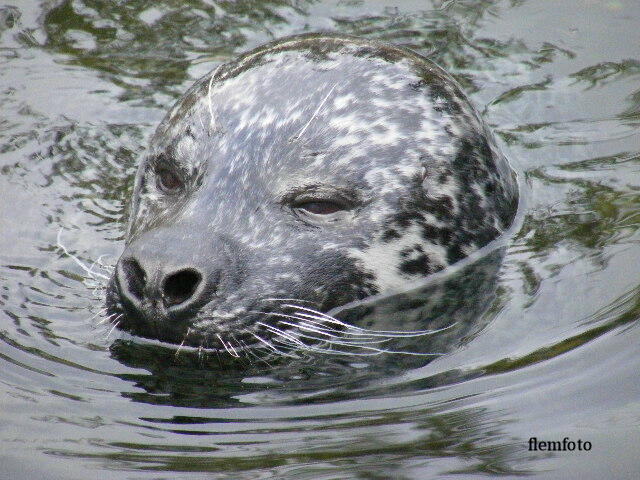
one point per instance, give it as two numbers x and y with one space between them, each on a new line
83 84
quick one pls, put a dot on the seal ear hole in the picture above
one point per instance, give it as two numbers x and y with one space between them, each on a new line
179 287
135 277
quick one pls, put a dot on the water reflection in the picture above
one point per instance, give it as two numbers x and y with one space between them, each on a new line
549 347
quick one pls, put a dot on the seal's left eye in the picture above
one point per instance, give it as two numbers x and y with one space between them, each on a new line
168 181
321 207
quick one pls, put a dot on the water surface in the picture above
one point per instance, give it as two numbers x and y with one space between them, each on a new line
551 351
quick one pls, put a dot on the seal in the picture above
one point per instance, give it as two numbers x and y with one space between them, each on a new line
308 173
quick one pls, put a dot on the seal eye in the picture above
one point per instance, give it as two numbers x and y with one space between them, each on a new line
321 207
168 181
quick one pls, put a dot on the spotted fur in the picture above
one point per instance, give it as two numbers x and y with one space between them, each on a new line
379 126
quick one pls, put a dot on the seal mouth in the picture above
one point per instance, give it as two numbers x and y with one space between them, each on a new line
272 328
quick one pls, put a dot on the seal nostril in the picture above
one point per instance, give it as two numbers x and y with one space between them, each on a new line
180 287
135 277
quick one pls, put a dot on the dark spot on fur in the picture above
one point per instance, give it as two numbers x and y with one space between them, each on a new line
390 234
443 100
486 153
444 176
405 218
417 266
455 253
418 86
489 187
440 236
411 304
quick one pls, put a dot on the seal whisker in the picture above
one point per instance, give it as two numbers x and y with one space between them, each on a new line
233 349
334 341
230 350
352 342
368 351
365 345
241 347
271 346
252 356
251 351
105 320
99 313
279 314
282 333
294 336
108 318
359 332
275 299
317 325
315 113
307 328
245 349
212 122
233 337
352 328
359 339
115 325
287 344
89 270
307 320
184 339
180 346
317 314
339 340
293 317
99 263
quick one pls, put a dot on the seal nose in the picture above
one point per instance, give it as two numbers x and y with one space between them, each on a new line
134 278
179 287
176 291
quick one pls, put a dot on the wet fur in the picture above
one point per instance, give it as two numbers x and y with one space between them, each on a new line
379 125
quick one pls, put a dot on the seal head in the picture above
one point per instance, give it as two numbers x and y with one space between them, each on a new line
315 170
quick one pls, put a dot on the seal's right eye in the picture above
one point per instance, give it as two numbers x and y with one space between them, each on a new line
167 181
321 207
